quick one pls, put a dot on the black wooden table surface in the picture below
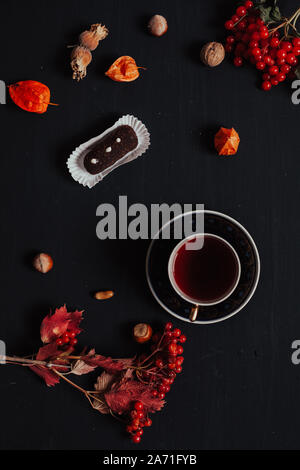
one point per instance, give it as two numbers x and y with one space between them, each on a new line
239 388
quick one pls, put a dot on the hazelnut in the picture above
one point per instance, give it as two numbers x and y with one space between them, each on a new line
158 25
43 263
142 332
90 39
212 54
103 295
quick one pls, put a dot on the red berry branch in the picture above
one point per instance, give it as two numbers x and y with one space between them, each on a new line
266 39
128 388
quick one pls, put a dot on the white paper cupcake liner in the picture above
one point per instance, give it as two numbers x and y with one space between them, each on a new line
76 159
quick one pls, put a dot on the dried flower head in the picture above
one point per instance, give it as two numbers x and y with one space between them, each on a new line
90 39
81 57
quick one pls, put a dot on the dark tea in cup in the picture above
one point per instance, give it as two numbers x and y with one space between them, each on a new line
204 269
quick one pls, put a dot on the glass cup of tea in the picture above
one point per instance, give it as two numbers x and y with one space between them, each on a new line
204 269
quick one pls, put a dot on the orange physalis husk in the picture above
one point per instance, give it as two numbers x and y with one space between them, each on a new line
227 141
124 69
31 96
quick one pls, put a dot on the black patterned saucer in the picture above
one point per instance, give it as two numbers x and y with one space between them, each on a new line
214 223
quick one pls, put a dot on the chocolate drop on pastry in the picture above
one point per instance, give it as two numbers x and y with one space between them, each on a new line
110 149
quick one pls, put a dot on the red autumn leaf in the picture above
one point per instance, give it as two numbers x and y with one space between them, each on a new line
60 363
112 366
81 367
48 375
76 318
121 396
101 406
49 351
54 326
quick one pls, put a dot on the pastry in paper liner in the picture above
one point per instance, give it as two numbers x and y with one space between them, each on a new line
75 162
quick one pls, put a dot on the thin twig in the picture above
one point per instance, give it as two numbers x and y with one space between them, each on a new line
90 401
77 358
287 23
69 381
9 363
155 351
27 362
82 390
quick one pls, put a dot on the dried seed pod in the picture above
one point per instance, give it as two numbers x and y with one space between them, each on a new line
142 332
103 295
81 57
158 25
212 54
90 39
43 263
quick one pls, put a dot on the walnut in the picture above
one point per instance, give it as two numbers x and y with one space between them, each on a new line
212 54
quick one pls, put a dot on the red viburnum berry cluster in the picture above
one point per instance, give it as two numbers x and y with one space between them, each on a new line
138 421
170 357
252 40
69 338
159 371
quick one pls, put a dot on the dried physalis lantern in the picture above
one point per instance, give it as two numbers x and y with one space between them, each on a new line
124 69
227 141
81 55
31 96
